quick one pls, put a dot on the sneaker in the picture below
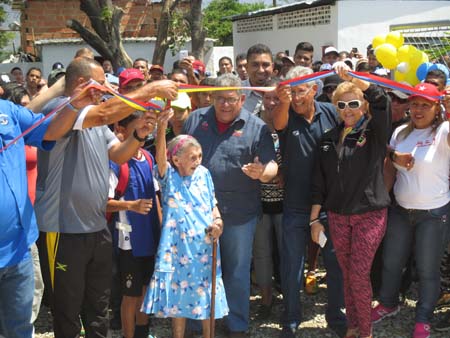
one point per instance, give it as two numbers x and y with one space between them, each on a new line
380 312
443 301
422 330
443 324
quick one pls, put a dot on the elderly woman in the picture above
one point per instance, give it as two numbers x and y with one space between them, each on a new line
422 204
348 183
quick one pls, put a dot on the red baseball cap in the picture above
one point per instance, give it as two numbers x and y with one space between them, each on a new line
157 67
199 66
128 75
427 91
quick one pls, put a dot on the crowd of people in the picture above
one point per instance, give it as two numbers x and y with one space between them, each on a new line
110 214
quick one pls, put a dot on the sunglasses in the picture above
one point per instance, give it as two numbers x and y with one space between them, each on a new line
353 104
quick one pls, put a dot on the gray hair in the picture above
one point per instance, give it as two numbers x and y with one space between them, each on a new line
179 144
229 80
298 71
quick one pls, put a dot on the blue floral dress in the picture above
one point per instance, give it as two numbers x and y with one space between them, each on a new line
181 283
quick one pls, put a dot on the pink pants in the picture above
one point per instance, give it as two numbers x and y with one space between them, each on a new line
356 239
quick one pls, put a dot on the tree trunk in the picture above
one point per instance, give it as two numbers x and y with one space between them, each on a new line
163 40
198 34
106 39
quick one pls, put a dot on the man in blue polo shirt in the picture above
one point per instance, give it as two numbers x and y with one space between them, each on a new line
238 151
18 229
301 122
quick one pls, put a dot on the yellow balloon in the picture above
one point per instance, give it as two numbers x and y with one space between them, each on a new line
405 52
417 58
387 55
411 78
395 39
378 41
399 76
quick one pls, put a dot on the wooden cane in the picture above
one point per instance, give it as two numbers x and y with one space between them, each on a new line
213 291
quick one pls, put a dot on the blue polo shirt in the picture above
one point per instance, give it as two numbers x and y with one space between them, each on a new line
18 229
299 141
224 155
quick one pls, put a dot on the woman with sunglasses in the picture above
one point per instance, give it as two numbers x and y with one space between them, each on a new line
419 219
348 183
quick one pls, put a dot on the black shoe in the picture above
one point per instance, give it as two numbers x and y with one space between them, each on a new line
237 334
288 332
443 324
339 330
264 311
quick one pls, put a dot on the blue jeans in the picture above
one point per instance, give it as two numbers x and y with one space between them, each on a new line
295 235
428 230
16 300
236 252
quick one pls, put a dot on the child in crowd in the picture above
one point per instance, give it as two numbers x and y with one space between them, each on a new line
136 228
181 284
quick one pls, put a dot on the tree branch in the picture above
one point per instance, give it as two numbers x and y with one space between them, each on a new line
92 9
92 39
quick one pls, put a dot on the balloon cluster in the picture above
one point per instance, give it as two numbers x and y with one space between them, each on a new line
405 60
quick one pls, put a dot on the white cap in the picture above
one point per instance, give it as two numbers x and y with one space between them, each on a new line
325 66
330 49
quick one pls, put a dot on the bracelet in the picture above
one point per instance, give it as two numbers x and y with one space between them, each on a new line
315 220
72 108
392 155
136 136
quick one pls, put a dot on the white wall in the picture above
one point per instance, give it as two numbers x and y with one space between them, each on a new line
6 67
287 39
353 23
64 53
360 21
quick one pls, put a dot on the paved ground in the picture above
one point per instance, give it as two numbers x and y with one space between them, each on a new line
314 324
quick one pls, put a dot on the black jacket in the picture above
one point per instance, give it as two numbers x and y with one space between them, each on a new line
351 181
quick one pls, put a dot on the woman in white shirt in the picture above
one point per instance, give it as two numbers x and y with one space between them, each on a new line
419 219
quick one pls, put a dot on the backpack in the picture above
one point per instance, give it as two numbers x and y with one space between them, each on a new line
124 176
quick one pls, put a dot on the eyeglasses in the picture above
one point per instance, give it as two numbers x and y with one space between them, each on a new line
230 100
300 93
353 104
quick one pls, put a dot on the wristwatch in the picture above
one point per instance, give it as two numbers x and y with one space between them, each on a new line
136 136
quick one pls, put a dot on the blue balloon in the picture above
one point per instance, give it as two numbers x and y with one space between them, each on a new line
422 70
443 68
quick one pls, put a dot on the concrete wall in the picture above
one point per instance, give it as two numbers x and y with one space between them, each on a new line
353 23
6 67
360 21
64 53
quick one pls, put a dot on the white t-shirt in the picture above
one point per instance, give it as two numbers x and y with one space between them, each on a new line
426 185
124 241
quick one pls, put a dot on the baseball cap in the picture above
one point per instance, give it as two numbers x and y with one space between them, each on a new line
54 75
128 75
57 65
325 66
399 94
427 91
199 67
288 58
330 49
331 81
183 101
157 67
